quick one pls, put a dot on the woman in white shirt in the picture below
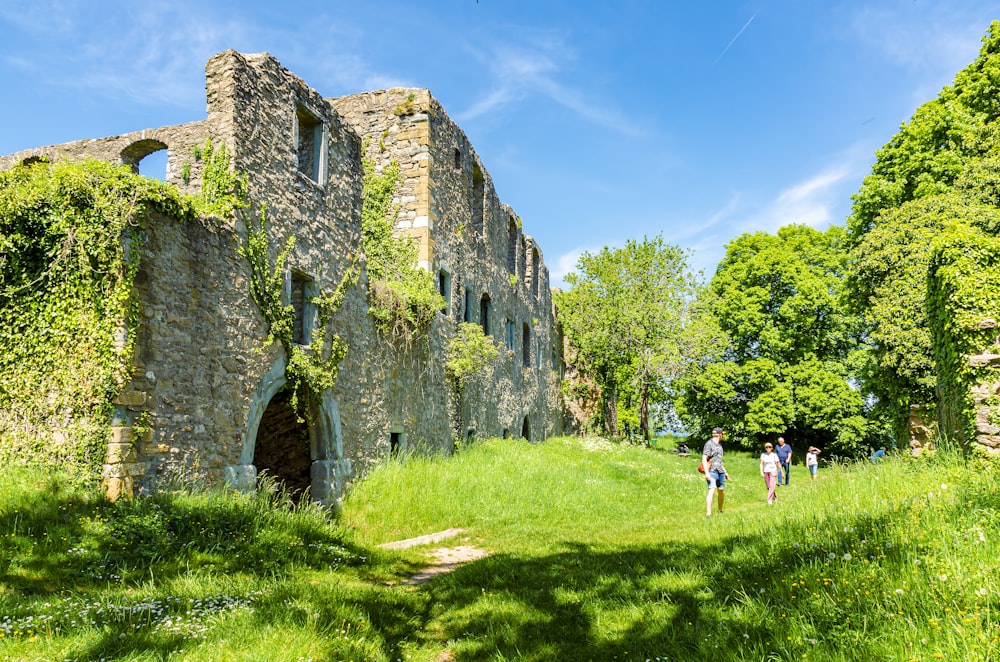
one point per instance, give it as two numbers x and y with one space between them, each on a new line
812 461
769 468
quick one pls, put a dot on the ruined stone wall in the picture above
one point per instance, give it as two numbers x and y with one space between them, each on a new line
129 149
203 377
447 203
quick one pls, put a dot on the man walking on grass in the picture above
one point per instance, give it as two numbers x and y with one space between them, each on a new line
784 452
715 473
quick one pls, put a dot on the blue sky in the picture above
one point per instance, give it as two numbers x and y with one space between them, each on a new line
599 121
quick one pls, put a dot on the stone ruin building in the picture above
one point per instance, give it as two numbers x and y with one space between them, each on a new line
205 392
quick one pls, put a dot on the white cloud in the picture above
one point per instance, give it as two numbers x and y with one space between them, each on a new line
809 202
534 69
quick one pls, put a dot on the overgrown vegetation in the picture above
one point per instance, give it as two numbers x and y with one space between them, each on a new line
403 297
70 238
312 368
890 561
470 352
928 210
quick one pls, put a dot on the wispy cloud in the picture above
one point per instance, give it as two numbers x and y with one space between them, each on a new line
809 202
818 200
535 69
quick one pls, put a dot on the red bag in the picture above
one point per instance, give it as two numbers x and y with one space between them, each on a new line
701 468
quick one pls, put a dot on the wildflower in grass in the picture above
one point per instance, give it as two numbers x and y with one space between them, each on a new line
943 577
847 556
983 592
900 591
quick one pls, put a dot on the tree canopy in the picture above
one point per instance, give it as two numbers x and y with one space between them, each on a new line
630 315
787 369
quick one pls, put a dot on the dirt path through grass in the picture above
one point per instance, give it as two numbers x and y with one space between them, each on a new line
444 559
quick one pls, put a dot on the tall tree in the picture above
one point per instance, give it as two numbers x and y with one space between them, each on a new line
787 366
629 314
940 167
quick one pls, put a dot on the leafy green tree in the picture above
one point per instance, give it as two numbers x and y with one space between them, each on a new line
630 315
787 367
941 168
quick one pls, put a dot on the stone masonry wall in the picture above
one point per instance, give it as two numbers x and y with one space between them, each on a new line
203 378
465 232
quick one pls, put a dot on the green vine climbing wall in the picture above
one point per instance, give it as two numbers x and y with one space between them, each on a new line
66 277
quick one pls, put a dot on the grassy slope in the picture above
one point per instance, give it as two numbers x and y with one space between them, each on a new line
599 552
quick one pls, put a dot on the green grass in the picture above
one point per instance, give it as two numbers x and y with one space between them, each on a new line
598 552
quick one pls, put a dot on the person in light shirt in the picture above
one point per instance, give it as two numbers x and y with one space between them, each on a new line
770 470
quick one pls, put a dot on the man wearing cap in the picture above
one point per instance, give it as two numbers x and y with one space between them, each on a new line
715 473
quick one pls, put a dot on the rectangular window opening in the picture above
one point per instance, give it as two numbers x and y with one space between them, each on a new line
300 291
526 346
444 289
309 143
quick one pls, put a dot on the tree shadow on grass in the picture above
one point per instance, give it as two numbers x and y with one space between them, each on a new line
673 601
56 543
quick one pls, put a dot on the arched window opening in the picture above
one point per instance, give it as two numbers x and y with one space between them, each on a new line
478 197
526 429
282 449
512 246
147 158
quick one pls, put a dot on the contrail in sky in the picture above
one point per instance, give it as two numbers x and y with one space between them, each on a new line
733 40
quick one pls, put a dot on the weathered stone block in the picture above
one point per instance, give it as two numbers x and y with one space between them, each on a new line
131 398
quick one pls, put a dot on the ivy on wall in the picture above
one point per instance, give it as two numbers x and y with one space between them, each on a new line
403 297
69 234
963 308
312 368
470 352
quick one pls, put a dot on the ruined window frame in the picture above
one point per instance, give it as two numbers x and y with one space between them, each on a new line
308 120
444 287
301 301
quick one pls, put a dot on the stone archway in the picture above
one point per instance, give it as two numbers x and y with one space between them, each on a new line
282 448
328 468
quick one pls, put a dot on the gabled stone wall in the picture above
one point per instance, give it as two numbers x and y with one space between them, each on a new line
204 383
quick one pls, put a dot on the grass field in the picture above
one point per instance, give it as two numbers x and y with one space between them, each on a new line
597 552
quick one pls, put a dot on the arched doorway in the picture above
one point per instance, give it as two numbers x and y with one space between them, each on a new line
282 448
321 440
526 428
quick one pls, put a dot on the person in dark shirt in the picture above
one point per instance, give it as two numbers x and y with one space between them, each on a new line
784 452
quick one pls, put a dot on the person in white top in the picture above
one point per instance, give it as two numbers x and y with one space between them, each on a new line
812 461
770 467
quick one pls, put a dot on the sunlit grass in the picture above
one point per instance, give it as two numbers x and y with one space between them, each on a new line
597 552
